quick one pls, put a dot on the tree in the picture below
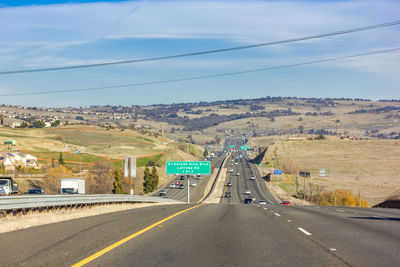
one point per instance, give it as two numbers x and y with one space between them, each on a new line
117 183
102 178
61 159
38 124
148 181
52 181
155 179
56 123
205 153
52 162
24 125
1 120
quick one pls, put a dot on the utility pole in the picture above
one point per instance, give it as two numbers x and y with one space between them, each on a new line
331 176
304 188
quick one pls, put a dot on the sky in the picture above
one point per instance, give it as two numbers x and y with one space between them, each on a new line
44 33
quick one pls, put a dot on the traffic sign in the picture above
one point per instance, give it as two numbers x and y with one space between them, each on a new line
244 147
278 172
232 146
188 167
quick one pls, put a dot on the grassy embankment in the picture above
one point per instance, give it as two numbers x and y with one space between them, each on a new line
99 144
369 168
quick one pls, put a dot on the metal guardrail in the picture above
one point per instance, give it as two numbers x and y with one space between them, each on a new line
10 203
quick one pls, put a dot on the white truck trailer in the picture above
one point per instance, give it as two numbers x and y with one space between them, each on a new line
72 186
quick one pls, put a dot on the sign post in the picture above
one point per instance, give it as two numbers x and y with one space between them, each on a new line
188 167
130 171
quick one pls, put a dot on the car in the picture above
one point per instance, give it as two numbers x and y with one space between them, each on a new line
181 186
35 191
177 182
172 185
228 194
236 163
248 201
252 177
229 184
182 177
231 170
247 192
285 203
198 176
262 202
193 184
162 193
237 174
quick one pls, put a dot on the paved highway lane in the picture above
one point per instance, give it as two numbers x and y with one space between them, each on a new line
197 192
213 235
220 235
243 182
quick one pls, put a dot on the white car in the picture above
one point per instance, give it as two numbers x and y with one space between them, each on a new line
247 192
193 184
172 185
252 177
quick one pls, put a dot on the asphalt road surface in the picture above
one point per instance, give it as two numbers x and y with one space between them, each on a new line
242 183
213 235
226 234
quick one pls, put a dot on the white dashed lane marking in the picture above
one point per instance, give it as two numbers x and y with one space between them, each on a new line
304 231
277 214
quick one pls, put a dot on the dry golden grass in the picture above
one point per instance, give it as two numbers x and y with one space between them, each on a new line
369 167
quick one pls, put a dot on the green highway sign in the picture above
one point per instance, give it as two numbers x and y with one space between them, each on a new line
244 147
188 167
232 146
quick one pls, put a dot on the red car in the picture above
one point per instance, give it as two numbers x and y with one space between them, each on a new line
177 183
285 203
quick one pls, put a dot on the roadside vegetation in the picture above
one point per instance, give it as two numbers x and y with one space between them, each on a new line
360 172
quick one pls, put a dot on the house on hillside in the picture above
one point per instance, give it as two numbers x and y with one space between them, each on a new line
6 162
14 159
15 124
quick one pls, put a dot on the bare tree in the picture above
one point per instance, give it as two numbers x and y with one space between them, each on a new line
101 178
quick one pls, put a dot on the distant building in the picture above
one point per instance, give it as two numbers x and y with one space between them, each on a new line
14 159
15 124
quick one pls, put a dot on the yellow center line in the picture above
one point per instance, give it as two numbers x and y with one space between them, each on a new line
126 239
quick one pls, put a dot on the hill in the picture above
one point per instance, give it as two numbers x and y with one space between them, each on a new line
368 168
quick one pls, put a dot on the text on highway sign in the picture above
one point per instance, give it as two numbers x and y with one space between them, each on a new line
188 167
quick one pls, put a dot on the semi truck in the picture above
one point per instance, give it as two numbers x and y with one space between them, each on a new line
72 186
9 185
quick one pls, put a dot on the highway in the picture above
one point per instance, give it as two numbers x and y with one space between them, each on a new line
229 233
241 183
196 192
213 235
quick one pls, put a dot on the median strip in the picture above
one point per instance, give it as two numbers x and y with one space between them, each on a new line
126 239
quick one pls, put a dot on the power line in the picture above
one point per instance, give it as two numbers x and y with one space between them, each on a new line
365 28
202 77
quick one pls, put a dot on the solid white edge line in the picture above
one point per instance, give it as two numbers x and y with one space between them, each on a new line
304 231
